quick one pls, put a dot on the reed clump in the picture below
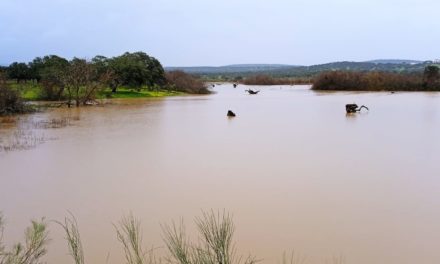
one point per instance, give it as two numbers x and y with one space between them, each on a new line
293 258
28 136
73 238
21 140
214 246
129 233
52 123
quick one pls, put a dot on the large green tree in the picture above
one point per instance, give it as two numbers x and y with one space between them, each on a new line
50 71
19 71
137 69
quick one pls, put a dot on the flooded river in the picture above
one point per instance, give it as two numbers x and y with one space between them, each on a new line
294 170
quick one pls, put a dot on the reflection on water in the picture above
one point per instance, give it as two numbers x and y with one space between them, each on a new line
295 171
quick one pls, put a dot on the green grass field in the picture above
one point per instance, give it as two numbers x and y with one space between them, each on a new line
29 91
32 92
126 93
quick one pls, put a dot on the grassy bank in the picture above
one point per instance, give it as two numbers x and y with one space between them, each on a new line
29 91
33 92
126 93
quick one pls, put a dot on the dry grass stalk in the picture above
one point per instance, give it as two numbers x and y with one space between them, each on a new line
215 246
294 258
73 238
129 233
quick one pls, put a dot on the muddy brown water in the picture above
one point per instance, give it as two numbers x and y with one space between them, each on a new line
294 170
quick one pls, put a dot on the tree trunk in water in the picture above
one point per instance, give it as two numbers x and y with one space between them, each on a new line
77 97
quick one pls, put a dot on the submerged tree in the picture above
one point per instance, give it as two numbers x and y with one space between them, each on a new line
82 82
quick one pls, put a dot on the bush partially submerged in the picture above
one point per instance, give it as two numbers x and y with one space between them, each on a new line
10 100
183 82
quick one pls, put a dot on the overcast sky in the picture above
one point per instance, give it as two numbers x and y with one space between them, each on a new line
221 32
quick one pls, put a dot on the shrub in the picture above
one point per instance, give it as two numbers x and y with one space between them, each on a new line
30 252
371 81
431 76
183 82
10 100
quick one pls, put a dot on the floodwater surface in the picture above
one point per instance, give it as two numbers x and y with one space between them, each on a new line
292 168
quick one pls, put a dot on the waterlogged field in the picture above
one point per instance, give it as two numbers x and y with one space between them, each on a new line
294 170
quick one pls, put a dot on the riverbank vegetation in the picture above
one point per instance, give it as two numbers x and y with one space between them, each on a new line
216 244
81 82
232 73
428 80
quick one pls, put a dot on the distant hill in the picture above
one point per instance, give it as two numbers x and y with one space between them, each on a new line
235 68
253 66
349 66
281 70
395 61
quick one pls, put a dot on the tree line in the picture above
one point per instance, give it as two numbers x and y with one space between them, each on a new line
232 72
132 69
79 80
428 80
